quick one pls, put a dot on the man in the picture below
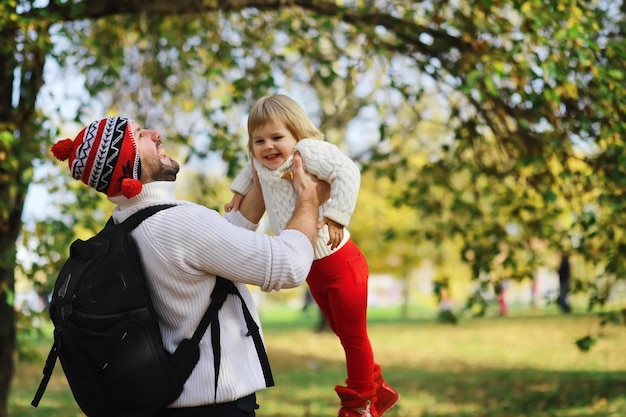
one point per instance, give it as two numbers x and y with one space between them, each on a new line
185 247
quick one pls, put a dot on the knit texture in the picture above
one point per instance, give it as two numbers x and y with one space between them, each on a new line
104 156
326 162
183 248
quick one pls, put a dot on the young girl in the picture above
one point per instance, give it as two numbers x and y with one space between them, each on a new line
277 127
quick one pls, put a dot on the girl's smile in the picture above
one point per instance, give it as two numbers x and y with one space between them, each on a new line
272 144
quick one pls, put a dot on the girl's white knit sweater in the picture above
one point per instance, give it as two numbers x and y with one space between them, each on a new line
183 248
326 162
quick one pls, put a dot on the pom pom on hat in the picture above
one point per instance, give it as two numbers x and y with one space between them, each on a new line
104 156
131 187
62 149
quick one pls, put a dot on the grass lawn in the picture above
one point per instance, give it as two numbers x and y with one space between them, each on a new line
491 367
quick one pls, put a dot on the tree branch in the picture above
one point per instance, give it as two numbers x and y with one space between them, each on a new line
407 33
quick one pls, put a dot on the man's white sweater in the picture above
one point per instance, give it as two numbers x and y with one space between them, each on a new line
183 248
323 160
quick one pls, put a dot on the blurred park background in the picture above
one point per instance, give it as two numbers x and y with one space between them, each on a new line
515 366
490 137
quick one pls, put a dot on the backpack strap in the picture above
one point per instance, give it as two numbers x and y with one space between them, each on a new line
222 288
253 330
133 221
47 372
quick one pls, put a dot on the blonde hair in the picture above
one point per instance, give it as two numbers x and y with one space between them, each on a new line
283 109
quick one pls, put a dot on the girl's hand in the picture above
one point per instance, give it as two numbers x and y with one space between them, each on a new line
234 203
335 232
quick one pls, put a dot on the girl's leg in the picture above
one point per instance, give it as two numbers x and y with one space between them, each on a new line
339 285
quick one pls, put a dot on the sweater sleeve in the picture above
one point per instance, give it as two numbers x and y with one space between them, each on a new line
238 219
328 163
242 184
200 243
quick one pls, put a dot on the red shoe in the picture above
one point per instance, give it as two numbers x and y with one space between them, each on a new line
386 397
355 405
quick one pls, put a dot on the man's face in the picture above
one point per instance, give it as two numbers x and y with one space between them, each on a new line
155 164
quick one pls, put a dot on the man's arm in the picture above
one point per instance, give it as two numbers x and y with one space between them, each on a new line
252 205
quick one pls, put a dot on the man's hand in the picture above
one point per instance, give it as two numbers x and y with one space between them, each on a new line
310 192
304 184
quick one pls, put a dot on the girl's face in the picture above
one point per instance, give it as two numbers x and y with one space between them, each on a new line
272 144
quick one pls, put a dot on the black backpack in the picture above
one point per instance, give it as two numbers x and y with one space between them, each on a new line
106 334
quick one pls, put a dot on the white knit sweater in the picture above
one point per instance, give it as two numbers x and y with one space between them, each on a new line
183 248
326 162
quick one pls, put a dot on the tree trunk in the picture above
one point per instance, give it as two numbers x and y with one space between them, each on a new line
9 210
19 147
7 333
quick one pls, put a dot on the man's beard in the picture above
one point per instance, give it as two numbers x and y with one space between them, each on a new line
167 172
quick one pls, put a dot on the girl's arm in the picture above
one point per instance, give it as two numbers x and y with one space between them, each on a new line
241 185
328 163
234 203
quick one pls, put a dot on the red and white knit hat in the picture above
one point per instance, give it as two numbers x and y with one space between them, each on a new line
104 156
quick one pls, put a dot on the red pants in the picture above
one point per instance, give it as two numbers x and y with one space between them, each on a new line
338 284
